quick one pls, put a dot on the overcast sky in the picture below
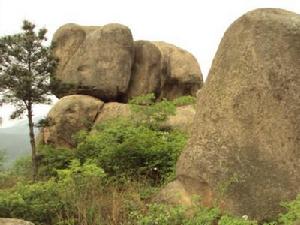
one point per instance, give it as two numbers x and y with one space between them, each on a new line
194 25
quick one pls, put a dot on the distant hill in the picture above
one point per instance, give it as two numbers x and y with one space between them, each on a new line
14 141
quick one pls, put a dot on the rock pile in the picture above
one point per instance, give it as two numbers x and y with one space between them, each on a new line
107 68
106 63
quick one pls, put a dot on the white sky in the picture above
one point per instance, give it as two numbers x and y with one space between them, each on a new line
194 25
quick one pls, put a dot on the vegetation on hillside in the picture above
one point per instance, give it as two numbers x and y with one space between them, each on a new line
111 176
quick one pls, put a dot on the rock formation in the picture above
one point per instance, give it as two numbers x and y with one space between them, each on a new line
10 221
181 73
106 63
68 116
146 73
96 60
244 152
183 119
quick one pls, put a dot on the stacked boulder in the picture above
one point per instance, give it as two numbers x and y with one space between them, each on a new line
244 151
106 68
106 63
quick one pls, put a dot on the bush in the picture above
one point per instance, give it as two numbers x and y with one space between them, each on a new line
230 220
136 148
146 111
124 148
203 216
37 202
292 216
175 215
20 172
53 159
184 100
70 198
159 214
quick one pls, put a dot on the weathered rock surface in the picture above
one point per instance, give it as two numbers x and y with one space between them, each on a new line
181 73
146 72
11 221
244 151
68 116
96 60
183 119
113 110
104 62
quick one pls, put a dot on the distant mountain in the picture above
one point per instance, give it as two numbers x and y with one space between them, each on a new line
14 141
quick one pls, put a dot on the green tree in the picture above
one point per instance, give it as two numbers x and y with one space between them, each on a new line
26 67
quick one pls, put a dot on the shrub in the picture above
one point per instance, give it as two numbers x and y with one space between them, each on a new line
159 214
70 198
146 111
203 216
124 148
53 159
175 215
230 220
37 202
20 172
292 216
184 100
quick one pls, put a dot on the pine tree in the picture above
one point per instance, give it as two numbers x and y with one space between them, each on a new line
26 67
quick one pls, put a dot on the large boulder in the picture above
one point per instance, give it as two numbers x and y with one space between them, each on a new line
146 71
97 61
106 63
181 73
68 116
244 152
11 221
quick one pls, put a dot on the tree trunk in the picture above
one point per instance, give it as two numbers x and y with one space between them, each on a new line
32 142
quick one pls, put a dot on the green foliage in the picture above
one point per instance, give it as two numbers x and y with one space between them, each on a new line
152 113
45 122
159 214
175 215
184 100
135 148
52 159
230 220
124 148
25 68
35 202
203 216
20 171
292 216
71 196
132 152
